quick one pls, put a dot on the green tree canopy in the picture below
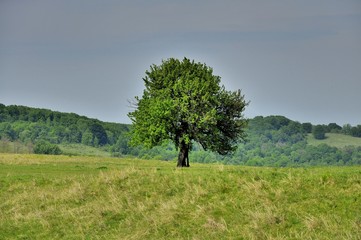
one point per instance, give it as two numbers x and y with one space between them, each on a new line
319 132
184 102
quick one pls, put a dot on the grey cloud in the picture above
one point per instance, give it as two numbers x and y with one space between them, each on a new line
295 58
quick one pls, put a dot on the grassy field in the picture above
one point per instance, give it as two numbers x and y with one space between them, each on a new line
63 197
335 140
83 150
67 149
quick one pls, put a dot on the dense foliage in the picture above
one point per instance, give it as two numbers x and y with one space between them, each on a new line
47 148
319 132
271 141
31 125
184 102
278 141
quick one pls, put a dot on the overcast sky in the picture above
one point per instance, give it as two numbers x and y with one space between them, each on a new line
300 59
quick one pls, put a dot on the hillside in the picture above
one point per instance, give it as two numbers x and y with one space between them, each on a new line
57 197
31 125
271 141
335 140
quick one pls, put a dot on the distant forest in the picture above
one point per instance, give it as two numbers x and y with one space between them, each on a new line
271 141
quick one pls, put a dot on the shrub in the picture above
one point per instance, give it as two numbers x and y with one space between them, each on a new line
47 148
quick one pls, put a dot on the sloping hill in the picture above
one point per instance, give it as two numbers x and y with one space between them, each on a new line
335 140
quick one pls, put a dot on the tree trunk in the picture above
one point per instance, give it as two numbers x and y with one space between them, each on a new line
183 158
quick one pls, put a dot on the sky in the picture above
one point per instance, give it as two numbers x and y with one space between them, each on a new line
300 59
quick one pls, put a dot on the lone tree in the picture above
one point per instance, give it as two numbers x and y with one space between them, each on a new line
319 132
184 102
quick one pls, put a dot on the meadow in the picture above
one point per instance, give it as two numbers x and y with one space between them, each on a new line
78 197
335 140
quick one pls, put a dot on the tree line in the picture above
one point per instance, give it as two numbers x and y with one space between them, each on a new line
270 141
34 125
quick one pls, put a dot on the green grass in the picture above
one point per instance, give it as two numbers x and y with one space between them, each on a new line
67 149
83 150
63 197
335 140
